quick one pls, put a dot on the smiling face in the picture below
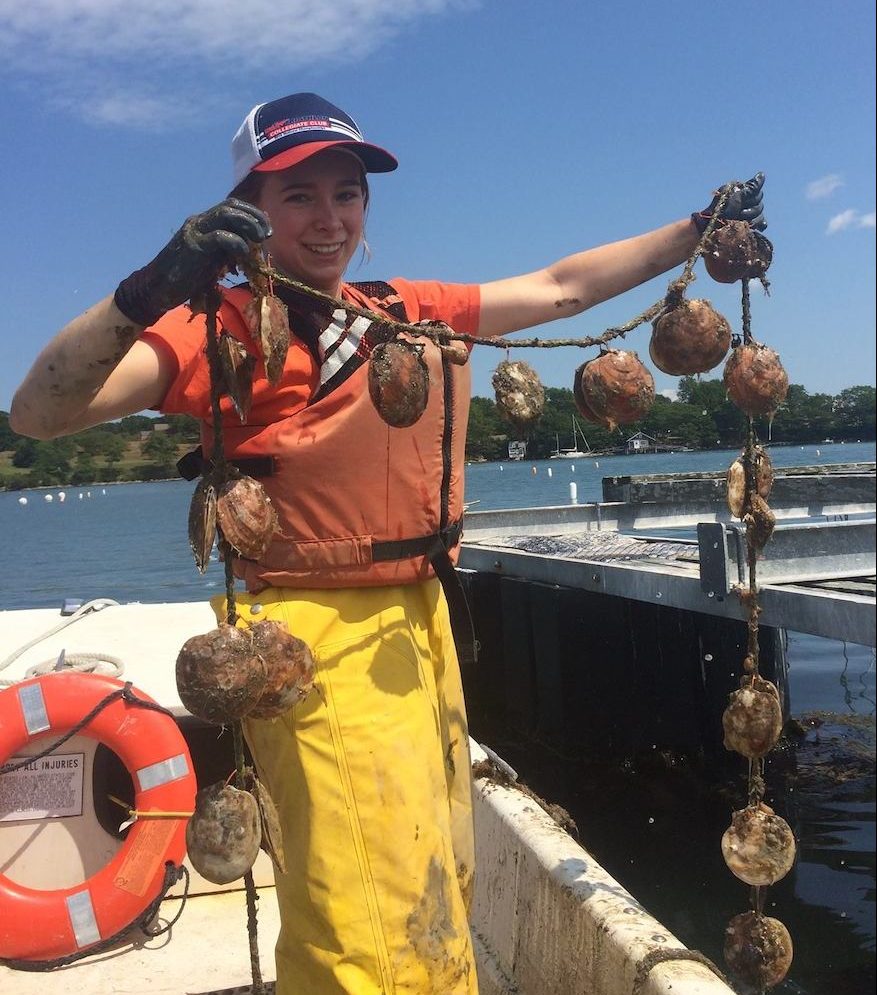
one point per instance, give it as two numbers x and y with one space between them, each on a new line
317 212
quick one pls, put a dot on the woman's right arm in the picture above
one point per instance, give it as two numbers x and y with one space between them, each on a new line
94 370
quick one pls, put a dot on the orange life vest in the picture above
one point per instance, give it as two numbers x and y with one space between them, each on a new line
359 503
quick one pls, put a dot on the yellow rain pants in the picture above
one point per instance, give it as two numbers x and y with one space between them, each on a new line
371 776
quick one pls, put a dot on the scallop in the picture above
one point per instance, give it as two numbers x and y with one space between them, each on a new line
753 720
290 669
758 847
735 251
758 949
689 338
220 676
246 516
519 393
398 382
224 833
755 379
614 388
202 522
760 523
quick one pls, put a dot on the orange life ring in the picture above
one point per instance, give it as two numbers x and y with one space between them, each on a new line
42 925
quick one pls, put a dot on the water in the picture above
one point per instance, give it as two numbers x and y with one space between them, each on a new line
129 542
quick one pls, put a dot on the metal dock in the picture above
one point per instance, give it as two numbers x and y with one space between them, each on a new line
670 540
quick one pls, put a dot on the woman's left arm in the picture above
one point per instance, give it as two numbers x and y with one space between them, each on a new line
577 282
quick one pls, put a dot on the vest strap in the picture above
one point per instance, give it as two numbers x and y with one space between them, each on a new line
194 464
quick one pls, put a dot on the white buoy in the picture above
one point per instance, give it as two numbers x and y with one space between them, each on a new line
596 464
818 452
88 493
572 468
533 470
22 500
81 495
549 471
48 497
62 496
103 490
573 494
501 466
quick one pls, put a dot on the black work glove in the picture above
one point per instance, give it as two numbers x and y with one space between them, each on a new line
205 247
744 204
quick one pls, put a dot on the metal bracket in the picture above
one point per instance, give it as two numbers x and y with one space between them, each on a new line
795 554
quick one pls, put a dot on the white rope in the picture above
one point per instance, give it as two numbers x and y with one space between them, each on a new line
90 606
86 663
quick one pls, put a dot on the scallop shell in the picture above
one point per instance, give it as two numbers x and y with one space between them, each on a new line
689 338
737 488
758 847
735 251
272 833
202 522
755 379
758 949
268 321
753 720
224 833
760 523
763 471
246 516
290 667
219 675
237 367
615 388
398 382
520 396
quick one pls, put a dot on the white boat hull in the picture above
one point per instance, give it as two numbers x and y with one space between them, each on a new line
546 918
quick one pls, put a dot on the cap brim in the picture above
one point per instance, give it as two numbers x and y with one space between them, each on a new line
373 158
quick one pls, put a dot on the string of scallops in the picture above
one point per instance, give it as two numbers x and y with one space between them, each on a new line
261 670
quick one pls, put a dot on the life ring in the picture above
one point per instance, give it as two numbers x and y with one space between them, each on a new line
42 924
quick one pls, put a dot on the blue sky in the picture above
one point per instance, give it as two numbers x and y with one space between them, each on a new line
525 131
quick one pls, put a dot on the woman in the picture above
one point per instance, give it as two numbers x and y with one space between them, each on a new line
371 772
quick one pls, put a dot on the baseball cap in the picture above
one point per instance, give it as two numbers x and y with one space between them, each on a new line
284 132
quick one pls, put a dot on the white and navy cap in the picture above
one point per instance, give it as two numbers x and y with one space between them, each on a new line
287 131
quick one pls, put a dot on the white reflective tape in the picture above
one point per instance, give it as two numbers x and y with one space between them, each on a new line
82 919
33 707
164 771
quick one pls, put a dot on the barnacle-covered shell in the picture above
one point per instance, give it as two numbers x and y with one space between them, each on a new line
758 949
520 396
269 821
760 522
219 675
614 388
753 720
737 488
246 516
202 522
268 321
223 835
755 379
735 251
237 367
398 382
762 469
691 337
290 667
758 846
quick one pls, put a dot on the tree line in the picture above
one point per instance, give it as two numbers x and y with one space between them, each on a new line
701 417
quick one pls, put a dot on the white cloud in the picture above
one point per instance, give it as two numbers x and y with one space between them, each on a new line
671 392
136 50
849 219
823 187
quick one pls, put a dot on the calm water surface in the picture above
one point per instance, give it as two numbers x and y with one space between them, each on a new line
128 542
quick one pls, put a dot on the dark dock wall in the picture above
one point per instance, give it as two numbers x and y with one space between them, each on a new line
593 674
